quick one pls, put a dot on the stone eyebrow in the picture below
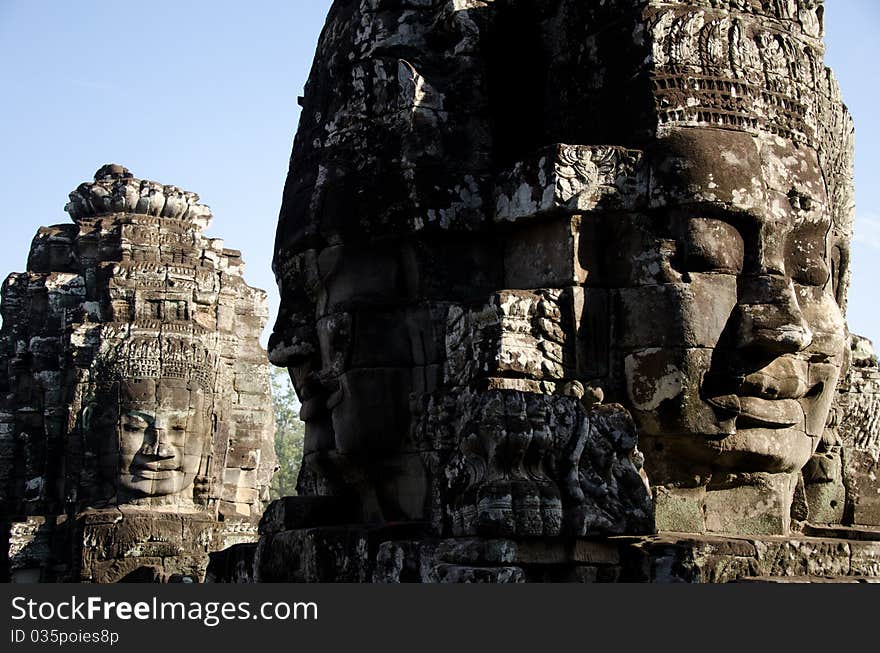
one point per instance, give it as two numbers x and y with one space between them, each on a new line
138 416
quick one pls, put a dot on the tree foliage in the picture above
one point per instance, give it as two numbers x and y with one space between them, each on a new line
289 435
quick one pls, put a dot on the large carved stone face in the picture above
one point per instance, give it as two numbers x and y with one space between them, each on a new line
659 218
153 440
732 332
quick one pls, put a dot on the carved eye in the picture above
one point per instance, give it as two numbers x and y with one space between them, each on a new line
805 259
712 245
838 265
132 428
811 272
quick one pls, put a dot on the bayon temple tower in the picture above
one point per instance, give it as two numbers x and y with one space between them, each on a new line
563 297
135 419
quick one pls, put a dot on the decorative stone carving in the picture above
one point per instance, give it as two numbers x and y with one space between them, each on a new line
572 178
135 391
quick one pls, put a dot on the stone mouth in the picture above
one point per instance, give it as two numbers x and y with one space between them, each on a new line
312 408
153 471
759 412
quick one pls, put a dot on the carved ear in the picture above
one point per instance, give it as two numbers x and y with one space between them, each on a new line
205 464
206 403
88 415
203 484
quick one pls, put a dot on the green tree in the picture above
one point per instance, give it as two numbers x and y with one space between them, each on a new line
289 435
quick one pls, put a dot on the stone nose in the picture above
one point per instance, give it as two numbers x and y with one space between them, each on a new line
157 445
769 317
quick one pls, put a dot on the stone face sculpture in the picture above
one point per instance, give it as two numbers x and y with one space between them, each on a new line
500 215
151 418
750 181
430 391
135 399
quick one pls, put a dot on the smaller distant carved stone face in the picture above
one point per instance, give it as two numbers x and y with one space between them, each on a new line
154 439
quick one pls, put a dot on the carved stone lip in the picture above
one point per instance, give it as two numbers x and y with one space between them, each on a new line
760 412
786 381
153 471
335 399
312 408
147 475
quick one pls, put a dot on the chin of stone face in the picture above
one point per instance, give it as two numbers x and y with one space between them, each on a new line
136 405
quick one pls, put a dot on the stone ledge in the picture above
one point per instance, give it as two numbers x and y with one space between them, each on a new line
393 555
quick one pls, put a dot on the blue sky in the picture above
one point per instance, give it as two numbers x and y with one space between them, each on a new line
202 94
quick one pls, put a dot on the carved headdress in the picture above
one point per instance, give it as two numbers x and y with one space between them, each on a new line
148 354
755 66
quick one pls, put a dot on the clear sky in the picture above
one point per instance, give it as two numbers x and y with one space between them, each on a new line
202 94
